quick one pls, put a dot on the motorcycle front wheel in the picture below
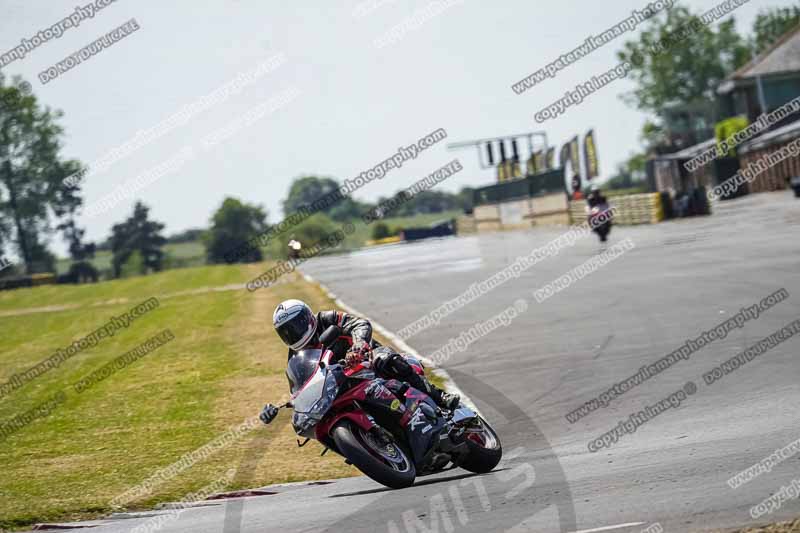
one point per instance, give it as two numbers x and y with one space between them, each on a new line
385 462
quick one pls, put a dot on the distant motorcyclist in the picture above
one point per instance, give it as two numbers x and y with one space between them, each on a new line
294 248
597 206
596 198
299 328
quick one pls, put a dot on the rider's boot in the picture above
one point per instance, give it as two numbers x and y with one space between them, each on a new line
443 399
451 401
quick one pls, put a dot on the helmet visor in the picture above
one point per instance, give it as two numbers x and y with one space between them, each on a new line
292 331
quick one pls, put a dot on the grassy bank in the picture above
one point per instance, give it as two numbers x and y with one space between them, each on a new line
224 363
178 255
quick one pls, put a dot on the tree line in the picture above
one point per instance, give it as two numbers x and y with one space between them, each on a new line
38 202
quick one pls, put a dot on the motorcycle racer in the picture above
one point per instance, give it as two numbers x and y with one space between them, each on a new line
596 198
597 205
299 328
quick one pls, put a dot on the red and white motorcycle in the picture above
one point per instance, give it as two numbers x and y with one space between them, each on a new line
388 430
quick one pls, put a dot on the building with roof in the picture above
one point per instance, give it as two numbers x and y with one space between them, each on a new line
766 87
766 83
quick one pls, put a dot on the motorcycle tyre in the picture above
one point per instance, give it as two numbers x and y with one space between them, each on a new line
350 446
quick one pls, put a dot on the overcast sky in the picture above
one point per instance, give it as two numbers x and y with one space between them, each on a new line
352 103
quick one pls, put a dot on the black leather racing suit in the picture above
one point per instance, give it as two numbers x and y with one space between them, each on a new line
596 199
387 363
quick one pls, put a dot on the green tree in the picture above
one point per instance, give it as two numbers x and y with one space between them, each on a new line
189 235
427 202
133 266
41 259
630 173
306 190
652 135
233 225
693 60
7 267
314 230
33 193
424 202
636 165
380 230
137 234
772 24
727 128
81 252
466 197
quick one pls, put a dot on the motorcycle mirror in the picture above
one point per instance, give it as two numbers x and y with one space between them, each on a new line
330 335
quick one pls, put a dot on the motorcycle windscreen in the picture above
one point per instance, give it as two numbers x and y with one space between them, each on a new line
314 400
302 366
308 396
318 395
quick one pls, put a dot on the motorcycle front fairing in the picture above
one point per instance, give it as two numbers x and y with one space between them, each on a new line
313 400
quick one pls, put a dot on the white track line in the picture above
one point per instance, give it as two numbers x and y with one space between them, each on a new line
399 343
522 527
609 528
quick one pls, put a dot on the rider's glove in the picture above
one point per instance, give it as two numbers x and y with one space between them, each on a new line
268 414
361 347
352 359
358 353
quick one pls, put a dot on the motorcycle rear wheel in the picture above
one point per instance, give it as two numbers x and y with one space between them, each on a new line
388 465
485 450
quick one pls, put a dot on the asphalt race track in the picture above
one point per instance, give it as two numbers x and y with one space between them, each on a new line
680 279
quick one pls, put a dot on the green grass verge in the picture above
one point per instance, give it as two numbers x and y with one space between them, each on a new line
141 288
223 365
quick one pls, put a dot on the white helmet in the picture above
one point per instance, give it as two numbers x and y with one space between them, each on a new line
295 323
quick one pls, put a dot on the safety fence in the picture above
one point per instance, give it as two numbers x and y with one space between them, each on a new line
632 209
